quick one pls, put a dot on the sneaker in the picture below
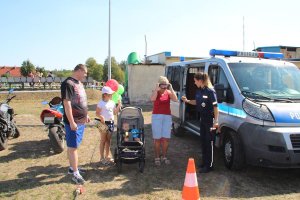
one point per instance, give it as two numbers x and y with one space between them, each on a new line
81 171
78 179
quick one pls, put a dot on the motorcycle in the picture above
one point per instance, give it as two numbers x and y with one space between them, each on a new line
8 128
53 119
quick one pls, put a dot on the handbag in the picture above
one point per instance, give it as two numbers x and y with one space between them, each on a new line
102 127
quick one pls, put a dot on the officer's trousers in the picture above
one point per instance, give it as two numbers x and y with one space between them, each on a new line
207 141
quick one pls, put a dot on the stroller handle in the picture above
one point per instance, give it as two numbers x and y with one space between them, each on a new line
131 108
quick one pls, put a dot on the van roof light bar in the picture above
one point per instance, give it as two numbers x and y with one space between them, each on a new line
228 53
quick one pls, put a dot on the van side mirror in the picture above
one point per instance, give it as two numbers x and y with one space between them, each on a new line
221 92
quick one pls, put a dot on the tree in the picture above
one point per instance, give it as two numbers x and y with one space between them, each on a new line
41 70
27 67
116 71
123 65
95 70
62 73
5 75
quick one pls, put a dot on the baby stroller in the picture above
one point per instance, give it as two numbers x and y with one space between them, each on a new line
130 142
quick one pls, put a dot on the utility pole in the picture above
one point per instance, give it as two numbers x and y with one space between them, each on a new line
109 57
243 34
145 50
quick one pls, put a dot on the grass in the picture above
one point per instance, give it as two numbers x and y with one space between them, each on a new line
38 173
30 170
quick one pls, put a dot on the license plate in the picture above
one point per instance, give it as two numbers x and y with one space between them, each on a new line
48 120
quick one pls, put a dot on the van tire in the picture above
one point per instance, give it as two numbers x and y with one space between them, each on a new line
177 131
233 154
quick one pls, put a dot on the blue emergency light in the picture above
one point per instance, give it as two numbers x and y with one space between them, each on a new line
216 52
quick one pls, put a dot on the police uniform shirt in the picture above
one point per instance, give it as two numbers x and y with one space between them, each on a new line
206 100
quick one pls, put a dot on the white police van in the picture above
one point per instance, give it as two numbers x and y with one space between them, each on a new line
259 106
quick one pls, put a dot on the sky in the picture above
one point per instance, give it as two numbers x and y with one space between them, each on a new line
59 34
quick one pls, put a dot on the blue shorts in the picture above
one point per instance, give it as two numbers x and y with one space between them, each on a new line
110 125
74 138
161 126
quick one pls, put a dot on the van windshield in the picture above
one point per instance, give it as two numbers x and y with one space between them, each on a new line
266 81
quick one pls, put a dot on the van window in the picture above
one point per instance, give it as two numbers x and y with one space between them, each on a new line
169 73
217 76
190 83
173 75
259 80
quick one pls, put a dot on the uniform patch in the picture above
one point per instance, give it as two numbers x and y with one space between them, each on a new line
205 97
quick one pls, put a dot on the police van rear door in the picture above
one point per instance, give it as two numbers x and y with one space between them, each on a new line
175 75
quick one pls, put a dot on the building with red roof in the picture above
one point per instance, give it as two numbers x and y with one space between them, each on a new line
10 71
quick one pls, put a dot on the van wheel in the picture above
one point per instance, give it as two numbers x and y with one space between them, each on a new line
177 130
233 153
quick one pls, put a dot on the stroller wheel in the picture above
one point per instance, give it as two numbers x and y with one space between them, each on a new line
142 165
116 155
119 165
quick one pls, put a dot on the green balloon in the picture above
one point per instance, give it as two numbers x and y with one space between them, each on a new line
120 89
115 97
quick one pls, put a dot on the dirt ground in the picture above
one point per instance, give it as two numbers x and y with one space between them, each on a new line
30 170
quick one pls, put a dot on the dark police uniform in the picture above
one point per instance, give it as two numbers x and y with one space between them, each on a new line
206 101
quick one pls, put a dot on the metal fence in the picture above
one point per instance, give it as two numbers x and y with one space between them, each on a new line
38 82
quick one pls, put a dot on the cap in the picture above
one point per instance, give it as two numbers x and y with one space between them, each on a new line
107 90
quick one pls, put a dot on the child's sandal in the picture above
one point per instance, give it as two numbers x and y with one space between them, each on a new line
166 161
103 161
157 161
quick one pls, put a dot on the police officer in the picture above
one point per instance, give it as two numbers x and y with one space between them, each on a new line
206 103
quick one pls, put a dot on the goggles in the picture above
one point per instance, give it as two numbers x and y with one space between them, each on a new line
163 86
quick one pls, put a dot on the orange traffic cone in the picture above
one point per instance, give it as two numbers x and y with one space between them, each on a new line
190 189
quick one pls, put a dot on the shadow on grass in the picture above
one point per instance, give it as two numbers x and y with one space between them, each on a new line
250 182
34 177
28 150
154 178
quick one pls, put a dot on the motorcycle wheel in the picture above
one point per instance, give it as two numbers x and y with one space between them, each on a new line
3 141
17 132
57 142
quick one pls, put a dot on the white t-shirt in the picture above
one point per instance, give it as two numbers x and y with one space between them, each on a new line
107 109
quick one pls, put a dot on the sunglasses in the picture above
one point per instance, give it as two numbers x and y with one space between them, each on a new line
163 86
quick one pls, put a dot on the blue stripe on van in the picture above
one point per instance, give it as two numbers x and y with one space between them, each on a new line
231 111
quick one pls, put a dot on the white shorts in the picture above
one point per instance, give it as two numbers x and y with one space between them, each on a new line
161 126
